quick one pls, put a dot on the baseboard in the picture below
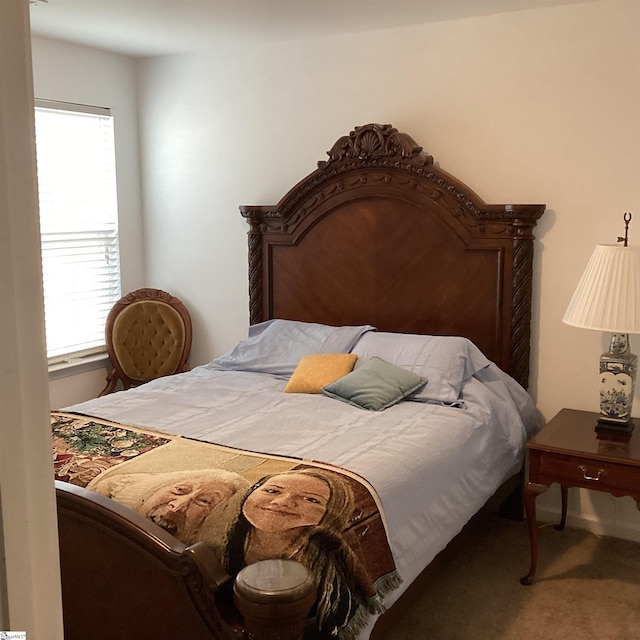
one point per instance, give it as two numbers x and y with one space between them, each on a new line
587 522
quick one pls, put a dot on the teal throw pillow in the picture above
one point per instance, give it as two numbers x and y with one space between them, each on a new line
375 385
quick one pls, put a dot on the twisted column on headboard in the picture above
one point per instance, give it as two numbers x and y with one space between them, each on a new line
255 279
254 216
521 308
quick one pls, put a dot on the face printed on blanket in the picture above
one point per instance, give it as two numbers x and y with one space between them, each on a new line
287 501
180 507
179 502
301 514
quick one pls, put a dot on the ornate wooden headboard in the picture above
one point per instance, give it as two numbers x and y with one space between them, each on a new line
378 234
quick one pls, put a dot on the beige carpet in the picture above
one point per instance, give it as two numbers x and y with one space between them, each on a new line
587 588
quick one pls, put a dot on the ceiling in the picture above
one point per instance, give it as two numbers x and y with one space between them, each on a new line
157 27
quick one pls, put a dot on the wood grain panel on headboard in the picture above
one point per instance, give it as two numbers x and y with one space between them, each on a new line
378 234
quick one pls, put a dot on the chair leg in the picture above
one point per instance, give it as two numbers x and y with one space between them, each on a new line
112 381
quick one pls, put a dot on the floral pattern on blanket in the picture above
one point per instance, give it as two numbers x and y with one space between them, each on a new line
83 449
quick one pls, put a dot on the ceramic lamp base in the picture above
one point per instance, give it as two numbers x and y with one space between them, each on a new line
617 381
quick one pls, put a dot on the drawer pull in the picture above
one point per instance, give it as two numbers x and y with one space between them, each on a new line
601 473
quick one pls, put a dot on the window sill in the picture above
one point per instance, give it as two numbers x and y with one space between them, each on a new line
75 366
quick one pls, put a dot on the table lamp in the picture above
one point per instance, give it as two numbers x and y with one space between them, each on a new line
607 298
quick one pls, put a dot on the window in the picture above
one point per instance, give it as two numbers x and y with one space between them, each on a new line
78 225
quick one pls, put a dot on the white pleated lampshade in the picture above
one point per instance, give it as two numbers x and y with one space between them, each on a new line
607 297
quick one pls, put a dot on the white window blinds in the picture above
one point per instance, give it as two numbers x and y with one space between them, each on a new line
78 225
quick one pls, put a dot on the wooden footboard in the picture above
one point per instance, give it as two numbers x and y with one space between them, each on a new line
124 577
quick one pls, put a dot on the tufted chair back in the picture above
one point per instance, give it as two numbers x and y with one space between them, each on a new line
148 335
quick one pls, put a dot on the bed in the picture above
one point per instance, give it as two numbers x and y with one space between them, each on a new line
379 263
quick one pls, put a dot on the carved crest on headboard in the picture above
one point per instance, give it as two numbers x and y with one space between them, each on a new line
379 154
372 141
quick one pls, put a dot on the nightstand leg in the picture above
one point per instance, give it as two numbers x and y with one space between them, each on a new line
563 518
531 492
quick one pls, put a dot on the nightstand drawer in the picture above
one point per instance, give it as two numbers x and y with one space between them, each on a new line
591 474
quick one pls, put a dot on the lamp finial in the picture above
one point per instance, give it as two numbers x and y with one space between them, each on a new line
625 240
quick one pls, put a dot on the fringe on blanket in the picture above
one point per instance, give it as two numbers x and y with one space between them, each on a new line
373 606
387 583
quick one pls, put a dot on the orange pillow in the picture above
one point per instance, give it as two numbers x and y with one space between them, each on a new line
316 371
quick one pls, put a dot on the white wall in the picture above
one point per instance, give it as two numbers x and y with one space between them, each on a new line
71 73
68 390
533 106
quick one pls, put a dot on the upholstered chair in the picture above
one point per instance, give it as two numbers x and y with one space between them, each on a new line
148 335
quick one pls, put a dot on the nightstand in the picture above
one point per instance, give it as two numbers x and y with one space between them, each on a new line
569 451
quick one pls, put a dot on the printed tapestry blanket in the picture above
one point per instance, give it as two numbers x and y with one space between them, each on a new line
247 506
